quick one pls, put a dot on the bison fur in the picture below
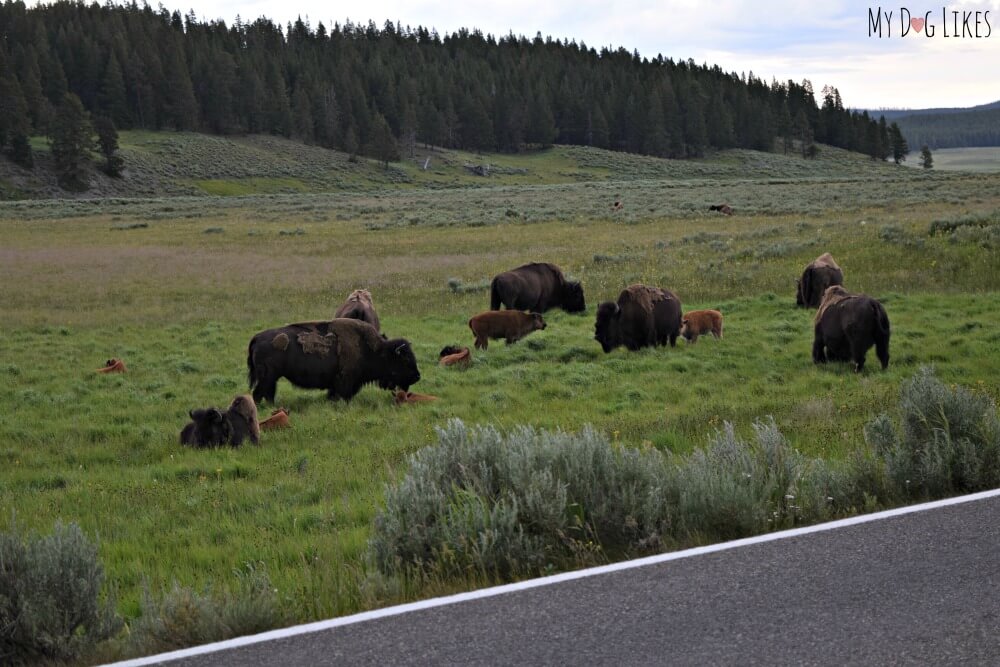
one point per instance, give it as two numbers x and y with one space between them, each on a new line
536 287
511 325
340 356
700 322
359 306
642 316
847 326
821 273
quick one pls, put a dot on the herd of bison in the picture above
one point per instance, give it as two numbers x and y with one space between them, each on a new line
344 354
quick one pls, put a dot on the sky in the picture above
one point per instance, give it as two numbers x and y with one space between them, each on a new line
827 42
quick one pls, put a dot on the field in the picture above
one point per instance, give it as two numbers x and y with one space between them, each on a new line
176 286
980 159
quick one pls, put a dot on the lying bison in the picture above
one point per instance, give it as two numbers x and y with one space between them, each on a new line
847 325
359 306
511 325
210 427
341 356
821 273
642 317
536 287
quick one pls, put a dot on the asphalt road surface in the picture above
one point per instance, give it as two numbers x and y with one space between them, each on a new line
917 588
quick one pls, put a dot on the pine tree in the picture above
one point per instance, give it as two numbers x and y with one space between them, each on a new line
70 141
15 124
926 159
107 141
179 102
382 145
112 98
900 149
804 134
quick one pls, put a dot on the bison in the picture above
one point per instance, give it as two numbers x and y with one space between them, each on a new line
699 322
113 366
358 306
847 325
278 419
511 325
724 209
452 355
341 356
643 316
537 287
821 273
210 427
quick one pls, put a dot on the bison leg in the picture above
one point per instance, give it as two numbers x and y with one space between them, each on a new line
819 351
265 389
673 340
482 342
882 351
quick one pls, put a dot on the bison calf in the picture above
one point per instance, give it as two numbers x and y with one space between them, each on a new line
700 322
511 325
210 427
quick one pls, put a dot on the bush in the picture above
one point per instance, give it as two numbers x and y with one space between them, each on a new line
506 505
735 488
184 617
50 607
948 441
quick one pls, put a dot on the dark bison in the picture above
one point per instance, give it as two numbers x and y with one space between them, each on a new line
511 325
359 306
724 209
847 325
643 316
536 287
341 356
821 273
210 427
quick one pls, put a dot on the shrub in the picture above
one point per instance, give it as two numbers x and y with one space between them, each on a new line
948 441
184 617
896 235
503 505
50 589
735 488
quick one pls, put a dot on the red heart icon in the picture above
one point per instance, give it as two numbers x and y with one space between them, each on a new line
918 24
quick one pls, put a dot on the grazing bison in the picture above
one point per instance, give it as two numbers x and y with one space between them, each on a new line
724 209
847 325
536 287
358 306
208 427
511 325
821 273
643 316
341 356
699 322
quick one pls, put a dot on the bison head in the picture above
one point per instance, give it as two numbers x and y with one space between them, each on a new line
537 321
400 370
606 328
211 426
572 301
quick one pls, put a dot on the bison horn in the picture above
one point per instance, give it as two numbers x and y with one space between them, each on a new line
399 349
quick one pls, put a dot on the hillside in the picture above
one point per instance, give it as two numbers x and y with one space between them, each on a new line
170 164
896 114
953 130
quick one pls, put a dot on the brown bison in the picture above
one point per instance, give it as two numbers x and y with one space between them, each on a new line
821 273
455 356
643 316
511 325
210 427
359 306
724 209
699 322
113 366
536 287
278 419
341 356
400 397
847 325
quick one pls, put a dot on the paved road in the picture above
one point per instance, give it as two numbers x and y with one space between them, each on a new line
919 588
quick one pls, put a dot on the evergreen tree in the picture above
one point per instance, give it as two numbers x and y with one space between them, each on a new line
382 145
15 124
107 141
112 97
180 106
70 141
926 159
900 149
804 134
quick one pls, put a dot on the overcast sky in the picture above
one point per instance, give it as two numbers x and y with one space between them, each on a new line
827 42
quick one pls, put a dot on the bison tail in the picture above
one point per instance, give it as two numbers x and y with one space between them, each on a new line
495 299
251 369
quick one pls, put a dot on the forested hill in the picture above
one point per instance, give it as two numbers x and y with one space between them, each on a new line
953 130
361 88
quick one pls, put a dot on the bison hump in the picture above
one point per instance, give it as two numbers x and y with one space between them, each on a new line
314 342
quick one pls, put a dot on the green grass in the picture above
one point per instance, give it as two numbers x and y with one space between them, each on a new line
179 305
220 187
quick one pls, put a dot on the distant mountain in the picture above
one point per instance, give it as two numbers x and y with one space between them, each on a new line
896 114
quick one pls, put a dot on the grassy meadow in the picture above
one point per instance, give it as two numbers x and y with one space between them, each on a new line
975 159
176 286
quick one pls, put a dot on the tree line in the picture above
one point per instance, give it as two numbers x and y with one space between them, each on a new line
954 130
378 91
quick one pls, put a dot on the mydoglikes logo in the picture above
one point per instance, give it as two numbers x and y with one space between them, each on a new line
944 23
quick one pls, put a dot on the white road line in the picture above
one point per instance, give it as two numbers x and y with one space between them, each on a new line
319 626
